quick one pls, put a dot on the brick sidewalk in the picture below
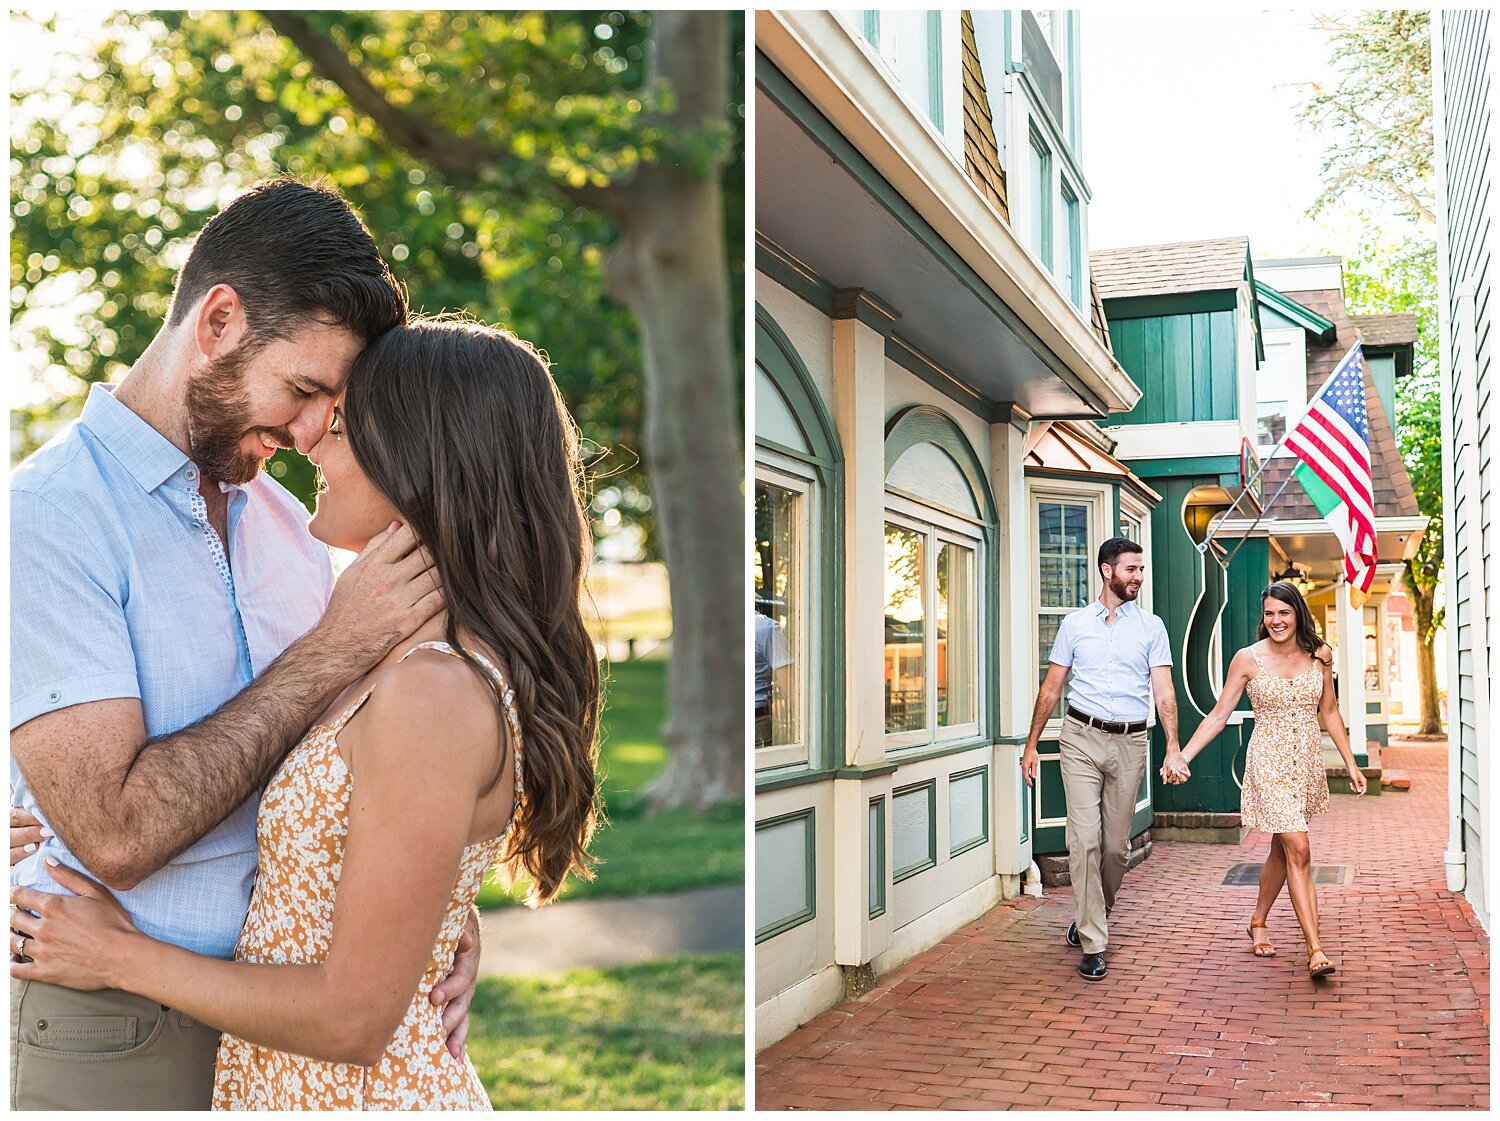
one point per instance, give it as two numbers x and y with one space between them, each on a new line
997 1016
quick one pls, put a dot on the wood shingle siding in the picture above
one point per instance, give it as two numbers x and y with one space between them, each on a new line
981 150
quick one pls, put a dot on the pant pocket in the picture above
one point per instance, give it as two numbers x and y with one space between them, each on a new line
81 1035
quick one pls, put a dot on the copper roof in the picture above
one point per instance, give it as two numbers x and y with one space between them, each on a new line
1063 447
1184 266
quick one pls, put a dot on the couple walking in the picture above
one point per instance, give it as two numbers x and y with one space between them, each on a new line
293 785
1119 658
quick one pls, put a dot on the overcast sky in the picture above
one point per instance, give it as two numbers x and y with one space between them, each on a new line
1190 130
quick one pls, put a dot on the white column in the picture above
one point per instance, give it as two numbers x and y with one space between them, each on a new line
860 327
1011 678
1351 666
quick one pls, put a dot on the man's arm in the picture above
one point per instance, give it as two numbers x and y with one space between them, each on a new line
125 804
1046 703
1166 713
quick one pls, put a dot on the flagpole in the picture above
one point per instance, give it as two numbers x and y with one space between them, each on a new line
1358 342
1246 535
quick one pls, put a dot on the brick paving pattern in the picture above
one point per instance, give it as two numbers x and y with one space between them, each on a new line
996 1016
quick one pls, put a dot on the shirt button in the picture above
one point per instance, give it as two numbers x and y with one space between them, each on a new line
192 474
53 697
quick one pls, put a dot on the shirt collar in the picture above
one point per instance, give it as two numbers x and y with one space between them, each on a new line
143 451
1102 612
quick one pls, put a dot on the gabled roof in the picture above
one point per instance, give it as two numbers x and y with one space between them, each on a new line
1399 329
1322 330
1184 266
1394 496
1072 448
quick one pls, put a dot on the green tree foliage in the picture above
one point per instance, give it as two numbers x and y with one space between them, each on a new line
1377 116
148 123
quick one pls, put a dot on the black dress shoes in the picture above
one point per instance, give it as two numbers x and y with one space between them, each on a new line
1073 939
1092 966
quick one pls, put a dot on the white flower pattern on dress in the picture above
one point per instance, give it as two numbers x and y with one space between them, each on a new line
301 832
1285 781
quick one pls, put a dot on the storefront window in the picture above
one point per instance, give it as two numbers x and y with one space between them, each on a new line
905 631
1063 550
955 635
780 532
1372 649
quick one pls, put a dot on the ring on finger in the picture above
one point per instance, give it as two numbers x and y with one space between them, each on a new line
20 945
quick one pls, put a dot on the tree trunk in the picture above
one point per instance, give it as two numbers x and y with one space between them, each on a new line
1427 689
670 268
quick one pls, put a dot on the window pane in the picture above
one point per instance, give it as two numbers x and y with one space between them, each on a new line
1271 423
1072 274
778 614
1041 200
1063 545
905 660
956 678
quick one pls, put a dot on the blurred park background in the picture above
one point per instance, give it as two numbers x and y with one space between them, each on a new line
577 177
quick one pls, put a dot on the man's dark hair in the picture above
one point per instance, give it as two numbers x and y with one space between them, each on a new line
295 253
1110 551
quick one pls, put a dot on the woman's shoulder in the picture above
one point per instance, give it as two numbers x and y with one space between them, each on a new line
1324 654
432 697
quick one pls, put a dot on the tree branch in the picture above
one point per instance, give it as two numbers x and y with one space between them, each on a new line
456 156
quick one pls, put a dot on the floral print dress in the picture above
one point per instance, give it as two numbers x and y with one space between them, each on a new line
301 831
1285 782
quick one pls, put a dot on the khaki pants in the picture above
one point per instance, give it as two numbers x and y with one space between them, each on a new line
1101 775
105 1050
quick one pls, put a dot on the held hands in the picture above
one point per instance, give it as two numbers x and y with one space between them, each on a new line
1175 771
388 592
71 940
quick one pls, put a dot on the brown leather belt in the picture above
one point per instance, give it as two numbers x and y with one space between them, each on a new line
1114 727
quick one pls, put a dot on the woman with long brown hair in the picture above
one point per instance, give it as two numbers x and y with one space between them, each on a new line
471 745
1288 673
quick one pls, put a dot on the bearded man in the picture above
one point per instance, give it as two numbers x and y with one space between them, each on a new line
1118 655
175 629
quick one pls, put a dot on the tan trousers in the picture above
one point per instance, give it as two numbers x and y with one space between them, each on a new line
1101 775
105 1050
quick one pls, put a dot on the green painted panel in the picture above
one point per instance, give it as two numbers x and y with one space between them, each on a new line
1051 804
1382 369
1184 364
1224 386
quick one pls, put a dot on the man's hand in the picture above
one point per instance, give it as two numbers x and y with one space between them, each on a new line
457 989
26 834
1175 771
389 591
1031 764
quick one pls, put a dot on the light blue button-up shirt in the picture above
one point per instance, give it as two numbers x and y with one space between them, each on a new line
1111 662
120 587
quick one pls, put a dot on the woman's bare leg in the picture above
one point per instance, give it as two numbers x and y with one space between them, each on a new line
1299 884
1272 880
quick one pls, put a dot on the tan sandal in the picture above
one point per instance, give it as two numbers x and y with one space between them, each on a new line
1318 970
1257 943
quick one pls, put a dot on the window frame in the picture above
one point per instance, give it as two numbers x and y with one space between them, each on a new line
1099 501
938 526
788 474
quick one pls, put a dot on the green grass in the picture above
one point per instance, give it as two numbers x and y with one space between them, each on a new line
668 1034
643 853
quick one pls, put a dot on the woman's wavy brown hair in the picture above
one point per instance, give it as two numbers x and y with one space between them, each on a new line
1307 631
462 427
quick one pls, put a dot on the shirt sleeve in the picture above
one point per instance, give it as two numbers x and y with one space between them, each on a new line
1062 645
69 643
1161 649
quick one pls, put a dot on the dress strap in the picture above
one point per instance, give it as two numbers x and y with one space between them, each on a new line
1259 665
507 701
344 717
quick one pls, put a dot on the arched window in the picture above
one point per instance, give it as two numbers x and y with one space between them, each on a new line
939 583
797 535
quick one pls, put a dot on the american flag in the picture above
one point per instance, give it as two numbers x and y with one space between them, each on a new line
1333 442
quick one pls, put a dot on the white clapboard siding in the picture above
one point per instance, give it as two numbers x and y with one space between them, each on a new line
1464 105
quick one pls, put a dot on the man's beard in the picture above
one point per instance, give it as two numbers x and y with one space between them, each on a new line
1123 590
218 420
